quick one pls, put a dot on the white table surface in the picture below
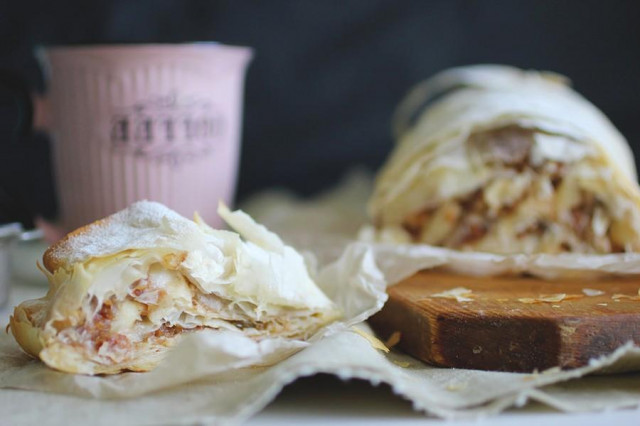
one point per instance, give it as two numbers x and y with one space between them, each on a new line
323 399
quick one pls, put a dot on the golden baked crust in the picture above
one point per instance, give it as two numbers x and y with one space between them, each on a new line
23 330
21 323
52 259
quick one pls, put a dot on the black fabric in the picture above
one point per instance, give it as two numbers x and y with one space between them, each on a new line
327 74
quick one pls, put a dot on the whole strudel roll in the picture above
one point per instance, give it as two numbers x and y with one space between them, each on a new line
507 161
124 288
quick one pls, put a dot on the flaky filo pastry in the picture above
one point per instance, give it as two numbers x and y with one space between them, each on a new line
507 161
123 289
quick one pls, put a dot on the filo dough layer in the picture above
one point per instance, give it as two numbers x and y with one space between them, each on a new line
507 161
125 288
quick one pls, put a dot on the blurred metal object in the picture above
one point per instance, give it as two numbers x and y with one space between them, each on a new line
25 255
11 233
31 235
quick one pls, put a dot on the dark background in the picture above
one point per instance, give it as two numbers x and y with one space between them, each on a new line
326 74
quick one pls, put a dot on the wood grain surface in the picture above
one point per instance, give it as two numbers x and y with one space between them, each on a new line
510 323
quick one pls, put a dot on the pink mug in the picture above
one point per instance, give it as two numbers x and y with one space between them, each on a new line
129 122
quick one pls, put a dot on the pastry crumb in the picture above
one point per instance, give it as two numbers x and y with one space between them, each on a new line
373 341
460 294
616 297
552 370
393 340
549 298
456 386
573 296
592 292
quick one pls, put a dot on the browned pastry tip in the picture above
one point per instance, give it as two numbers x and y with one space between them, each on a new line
53 257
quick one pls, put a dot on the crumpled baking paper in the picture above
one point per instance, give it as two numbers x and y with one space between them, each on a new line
232 397
209 378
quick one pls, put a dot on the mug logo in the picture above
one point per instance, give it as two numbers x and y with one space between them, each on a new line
167 129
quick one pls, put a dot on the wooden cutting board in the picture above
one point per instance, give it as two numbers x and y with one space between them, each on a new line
509 324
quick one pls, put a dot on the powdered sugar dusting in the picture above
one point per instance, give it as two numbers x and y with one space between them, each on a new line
217 261
144 224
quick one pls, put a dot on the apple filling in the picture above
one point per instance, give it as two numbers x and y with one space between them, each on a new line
161 306
530 203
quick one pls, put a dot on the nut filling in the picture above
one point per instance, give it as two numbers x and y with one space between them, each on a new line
536 197
113 331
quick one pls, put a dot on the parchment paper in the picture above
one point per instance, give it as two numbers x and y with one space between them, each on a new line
206 381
